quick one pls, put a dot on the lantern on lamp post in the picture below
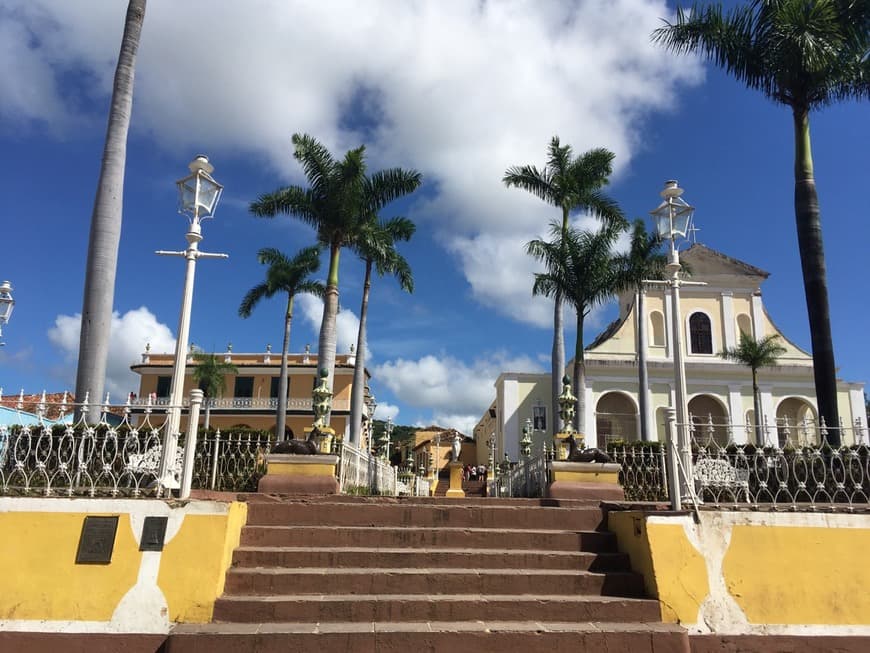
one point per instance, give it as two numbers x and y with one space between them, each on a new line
673 218
198 196
6 306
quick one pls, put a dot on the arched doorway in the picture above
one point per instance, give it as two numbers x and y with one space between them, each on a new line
615 418
795 421
710 419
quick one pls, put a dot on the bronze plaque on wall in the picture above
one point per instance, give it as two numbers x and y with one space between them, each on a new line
97 540
153 534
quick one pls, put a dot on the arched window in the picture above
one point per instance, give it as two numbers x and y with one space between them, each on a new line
701 334
657 328
744 325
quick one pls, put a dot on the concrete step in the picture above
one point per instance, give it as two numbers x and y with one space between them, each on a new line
429 637
414 537
443 557
442 607
583 518
277 580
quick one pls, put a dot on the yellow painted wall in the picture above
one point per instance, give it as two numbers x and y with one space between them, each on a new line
38 575
194 563
783 569
674 570
799 575
40 581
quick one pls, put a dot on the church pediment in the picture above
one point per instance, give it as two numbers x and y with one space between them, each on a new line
706 262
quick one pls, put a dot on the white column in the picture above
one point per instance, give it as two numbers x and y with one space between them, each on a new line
510 407
738 419
590 427
729 328
757 315
856 408
768 411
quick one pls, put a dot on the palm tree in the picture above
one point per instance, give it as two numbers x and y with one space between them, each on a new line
339 199
803 54
209 375
580 267
291 276
755 354
571 184
105 233
642 262
376 246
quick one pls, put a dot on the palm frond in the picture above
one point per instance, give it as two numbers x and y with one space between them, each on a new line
385 186
252 298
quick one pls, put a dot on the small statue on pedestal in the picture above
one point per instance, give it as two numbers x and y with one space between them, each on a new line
455 448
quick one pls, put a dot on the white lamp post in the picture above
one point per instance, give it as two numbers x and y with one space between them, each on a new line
673 218
6 306
198 196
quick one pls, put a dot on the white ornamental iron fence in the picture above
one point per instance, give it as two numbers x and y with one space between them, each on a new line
361 472
785 466
528 477
121 452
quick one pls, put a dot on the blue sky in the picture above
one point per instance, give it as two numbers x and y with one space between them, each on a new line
457 90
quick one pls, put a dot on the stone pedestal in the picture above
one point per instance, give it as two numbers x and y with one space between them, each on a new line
288 473
455 491
598 481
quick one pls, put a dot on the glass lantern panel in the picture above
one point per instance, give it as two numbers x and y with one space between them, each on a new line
209 192
6 306
681 221
187 195
663 226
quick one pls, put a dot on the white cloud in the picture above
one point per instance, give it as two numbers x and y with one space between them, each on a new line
463 423
129 334
459 90
386 411
451 388
346 324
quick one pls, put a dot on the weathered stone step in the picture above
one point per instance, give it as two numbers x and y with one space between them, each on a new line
582 518
277 580
442 607
391 537
429 637
517 559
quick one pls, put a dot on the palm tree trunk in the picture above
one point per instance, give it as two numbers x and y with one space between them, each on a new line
557 361
557 358
809 231
357 393
756 404
579 380
642 379
327 342
105 235
281 416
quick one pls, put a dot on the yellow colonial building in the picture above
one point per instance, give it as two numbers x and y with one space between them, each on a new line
719 392
250 398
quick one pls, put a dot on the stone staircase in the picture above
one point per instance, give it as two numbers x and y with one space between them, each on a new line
366 575
471 488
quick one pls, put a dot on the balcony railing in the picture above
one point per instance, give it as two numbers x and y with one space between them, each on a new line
240 403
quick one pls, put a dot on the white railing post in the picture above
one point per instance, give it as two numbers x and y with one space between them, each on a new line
190 442
215 452
672 471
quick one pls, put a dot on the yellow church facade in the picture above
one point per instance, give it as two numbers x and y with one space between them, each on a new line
719 392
